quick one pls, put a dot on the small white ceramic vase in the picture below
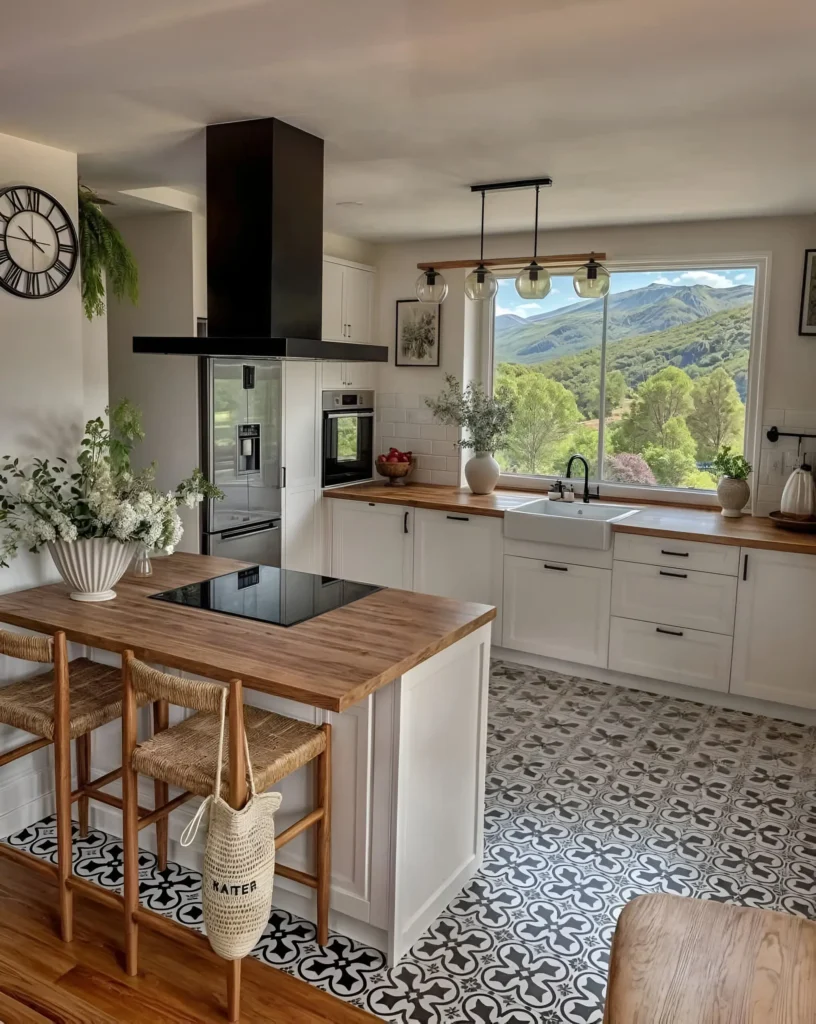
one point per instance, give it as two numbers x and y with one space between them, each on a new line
733 496
482 472
92 567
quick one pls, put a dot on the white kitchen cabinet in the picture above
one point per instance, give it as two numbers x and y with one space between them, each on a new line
302 493
340 374
372 543
773 634
689 598
689 656
460 556
678 554
348 301
556 609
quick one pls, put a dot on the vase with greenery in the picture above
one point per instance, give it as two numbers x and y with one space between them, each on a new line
485 418
93 513
733 491
103 255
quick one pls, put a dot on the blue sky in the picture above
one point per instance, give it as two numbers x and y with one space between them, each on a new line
563 294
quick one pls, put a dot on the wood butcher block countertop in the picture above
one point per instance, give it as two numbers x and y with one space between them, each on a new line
682 522
331 661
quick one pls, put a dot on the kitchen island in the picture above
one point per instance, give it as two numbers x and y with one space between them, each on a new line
402 677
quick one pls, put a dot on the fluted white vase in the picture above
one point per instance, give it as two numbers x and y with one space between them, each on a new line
92 567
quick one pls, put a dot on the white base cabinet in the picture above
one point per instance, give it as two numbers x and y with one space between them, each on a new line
556 609
372 543
773 634
659 651
459 556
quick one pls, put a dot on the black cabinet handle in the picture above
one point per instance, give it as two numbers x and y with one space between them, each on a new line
669 632
459 519
557 568
745 568
405 523
283 477
674 554
675 575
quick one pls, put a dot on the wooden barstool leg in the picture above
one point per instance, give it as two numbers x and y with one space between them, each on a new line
62 773
130 824
234 991
83 760
323 872
237 799
161 791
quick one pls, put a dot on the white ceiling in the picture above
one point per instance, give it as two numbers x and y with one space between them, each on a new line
641 110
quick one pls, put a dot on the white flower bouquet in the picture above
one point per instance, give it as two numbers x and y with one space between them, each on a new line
102 499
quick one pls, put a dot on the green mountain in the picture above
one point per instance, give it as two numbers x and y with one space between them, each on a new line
698 348
640 311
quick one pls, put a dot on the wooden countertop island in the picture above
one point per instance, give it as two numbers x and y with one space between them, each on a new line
409 673
681 522
332 661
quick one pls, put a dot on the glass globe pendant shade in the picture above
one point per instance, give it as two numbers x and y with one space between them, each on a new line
591 281
481 284
533 282
431 287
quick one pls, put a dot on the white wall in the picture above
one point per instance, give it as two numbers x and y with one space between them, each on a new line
790 371
353 249
164 387
53 377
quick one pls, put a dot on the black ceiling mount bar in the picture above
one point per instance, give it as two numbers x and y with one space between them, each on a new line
774 434
503 186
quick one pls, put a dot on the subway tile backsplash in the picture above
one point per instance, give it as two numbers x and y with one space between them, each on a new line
405 421
778 459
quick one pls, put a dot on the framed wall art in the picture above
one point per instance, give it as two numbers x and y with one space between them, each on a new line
807 312
418 333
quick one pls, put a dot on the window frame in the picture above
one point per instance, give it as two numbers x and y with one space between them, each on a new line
760 262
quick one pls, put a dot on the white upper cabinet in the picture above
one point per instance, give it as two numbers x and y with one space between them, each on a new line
773 634
372 543
460 556
348 301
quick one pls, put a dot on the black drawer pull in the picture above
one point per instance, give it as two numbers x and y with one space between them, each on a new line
674 554
459 519
557 568
669 632
405 523
675 575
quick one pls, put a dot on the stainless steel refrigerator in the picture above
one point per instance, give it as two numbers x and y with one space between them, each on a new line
241 412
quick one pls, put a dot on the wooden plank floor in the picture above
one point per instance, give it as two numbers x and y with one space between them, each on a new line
44 980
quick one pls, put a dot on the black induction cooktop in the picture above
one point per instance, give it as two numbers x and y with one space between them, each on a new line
267 594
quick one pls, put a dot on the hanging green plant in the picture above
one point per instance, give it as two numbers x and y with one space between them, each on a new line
103 253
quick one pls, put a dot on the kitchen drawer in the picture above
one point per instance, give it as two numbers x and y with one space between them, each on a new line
680 554
689 656
697 600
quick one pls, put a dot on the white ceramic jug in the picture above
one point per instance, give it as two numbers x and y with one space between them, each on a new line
799 496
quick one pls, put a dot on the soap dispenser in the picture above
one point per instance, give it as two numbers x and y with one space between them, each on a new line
799 496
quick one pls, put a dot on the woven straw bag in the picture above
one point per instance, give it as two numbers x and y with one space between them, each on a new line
239 863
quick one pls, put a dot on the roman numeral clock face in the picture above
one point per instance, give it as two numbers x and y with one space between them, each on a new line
38 243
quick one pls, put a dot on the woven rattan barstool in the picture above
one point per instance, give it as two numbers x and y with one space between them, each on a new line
63 704
185 755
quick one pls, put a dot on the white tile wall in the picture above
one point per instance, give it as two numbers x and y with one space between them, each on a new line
778 458
405 421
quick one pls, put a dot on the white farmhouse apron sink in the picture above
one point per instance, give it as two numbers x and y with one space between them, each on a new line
575 523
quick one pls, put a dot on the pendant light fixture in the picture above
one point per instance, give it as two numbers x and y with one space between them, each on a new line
591 281
431 287
534 281
481 284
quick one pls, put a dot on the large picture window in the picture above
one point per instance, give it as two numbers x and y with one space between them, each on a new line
646 383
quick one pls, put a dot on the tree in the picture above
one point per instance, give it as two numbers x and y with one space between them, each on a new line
582 441
658 400
627 468
718 414
614 396
545 414
673 460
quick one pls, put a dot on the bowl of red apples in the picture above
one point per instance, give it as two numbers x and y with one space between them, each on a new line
395 466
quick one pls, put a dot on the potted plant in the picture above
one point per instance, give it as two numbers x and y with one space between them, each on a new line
487 421
103 256
733 491
93 515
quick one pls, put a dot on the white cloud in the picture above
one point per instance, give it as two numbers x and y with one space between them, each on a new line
503 310
741 277
698 277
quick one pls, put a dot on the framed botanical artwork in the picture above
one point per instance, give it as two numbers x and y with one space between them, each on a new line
807 313
417 338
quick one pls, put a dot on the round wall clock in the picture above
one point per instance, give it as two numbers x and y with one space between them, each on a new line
38 243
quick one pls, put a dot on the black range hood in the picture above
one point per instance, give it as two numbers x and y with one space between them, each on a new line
264 249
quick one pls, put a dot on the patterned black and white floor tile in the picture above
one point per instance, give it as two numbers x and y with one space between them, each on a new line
595 794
